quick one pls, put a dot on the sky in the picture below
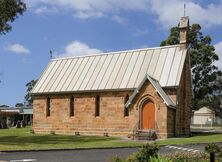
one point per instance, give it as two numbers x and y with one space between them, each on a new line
83 27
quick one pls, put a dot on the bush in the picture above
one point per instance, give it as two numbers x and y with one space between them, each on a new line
212 148
160 159
145 154
188 157
147 151
215 151
117 159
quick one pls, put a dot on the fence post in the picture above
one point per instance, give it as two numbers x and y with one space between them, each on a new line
212 157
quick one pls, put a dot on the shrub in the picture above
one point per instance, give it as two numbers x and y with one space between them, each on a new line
145 154
147 151
187 157
117 159
212 148
160 159
214 151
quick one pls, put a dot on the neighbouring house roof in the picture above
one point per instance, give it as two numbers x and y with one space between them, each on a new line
167 100
113 71
18 110
204 110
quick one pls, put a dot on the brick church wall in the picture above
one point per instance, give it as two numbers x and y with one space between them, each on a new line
184 102
111 119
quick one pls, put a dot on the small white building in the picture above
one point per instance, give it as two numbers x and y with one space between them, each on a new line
203 116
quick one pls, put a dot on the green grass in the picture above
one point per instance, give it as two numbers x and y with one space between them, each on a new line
198 138
22 139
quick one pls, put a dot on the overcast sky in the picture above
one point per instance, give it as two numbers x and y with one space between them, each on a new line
79 27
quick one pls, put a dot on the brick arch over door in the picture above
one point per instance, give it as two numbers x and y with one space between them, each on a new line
147 115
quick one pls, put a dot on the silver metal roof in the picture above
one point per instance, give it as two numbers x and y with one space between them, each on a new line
167 100
112 71
20 110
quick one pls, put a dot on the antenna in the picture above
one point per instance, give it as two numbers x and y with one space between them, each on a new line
51 53
184 9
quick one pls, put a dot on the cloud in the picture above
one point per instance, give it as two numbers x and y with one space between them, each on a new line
77 48
170 11
120 20
45 9
218 50
167 12
17 48
87 8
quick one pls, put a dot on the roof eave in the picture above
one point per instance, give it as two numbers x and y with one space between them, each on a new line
136 91
83 91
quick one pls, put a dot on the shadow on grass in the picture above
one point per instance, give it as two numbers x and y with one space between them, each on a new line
205 134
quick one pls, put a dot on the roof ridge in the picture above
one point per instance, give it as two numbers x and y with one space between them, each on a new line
115 52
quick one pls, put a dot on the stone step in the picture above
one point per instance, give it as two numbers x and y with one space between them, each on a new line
144 135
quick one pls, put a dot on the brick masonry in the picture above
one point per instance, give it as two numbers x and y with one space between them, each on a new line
169 122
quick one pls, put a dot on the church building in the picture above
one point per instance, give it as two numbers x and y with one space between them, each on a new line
118 93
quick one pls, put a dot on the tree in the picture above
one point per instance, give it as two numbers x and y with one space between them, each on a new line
4 106
19 104
202 56
9 11
29 86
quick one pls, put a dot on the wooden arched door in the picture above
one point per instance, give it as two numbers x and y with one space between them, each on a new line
148 115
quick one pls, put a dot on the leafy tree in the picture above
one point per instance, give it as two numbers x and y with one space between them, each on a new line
4 106
202 56
19 104
9 11
29 86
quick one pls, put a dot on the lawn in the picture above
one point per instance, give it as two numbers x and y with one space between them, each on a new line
22 139
197 138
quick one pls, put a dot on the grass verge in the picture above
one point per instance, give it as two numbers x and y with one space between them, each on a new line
22 139
195 139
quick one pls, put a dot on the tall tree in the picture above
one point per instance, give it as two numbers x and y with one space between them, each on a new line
29 86
9 11
202 56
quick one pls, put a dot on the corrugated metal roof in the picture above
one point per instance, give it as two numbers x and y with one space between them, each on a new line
20 110
112 71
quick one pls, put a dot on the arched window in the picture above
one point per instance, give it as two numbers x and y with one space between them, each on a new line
71 108
97 105
48 106
126 110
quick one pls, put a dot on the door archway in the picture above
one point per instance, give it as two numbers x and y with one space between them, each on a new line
148 115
